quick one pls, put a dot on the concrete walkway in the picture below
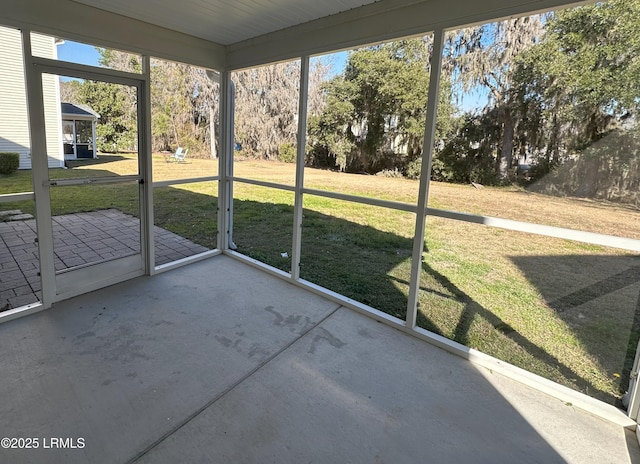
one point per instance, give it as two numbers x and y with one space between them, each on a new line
79 239
218 362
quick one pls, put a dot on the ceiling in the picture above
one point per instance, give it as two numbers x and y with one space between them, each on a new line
227 21
238 34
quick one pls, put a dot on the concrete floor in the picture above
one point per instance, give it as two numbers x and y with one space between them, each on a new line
218 362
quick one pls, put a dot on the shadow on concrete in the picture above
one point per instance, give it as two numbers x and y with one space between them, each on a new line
632 445
218 361
366 265
371 267
332 366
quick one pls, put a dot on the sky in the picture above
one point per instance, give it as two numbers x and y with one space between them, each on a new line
78 53
337 61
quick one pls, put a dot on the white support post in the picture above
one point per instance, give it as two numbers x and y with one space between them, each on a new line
75 139
300 155
94 138
425 175
225 163
145 165
230 161
39 171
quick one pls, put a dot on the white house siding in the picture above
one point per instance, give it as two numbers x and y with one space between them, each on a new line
45 46
14 120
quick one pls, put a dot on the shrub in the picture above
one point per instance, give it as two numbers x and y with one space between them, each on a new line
287 153
412 171
390 173
9 162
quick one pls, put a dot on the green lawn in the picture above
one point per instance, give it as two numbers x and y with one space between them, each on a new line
564 310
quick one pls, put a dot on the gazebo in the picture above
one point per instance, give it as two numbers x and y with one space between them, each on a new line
79 131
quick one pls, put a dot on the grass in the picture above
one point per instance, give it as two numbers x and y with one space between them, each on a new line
188 210
565 310
509 299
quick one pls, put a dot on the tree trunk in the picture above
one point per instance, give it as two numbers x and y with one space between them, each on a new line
212 133
506 151
552 154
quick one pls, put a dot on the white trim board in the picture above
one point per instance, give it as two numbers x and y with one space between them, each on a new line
375 23
71 20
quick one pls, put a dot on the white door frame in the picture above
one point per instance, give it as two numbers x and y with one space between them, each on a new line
68 284
634 390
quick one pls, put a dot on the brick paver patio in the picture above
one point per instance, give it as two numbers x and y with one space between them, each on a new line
79 239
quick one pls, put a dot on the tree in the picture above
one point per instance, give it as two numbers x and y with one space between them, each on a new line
581 85
174 122
485 56
69 91
116 129
207 105
184 103
266 116
469 154
267 108
116 104
586 69
122 61
374 113
330 138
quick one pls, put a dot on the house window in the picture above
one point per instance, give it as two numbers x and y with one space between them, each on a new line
84 133
67 131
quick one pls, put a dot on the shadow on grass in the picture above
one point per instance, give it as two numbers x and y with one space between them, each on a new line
103 158
372 267
546 363
189 214
598 298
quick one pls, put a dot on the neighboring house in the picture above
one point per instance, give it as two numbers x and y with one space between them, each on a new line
14 119
79 131
394 140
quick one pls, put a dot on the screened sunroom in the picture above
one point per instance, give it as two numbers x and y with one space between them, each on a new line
341 231
79 131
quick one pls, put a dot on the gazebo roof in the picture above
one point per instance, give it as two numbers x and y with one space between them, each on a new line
78 111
